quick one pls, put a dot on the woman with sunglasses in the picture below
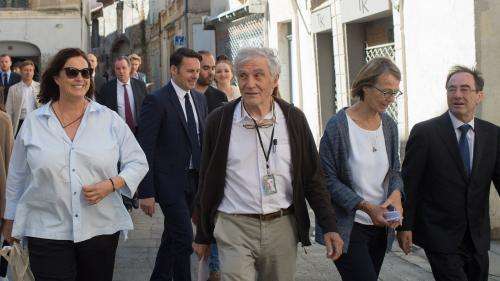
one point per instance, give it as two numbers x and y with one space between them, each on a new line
359 153
63 188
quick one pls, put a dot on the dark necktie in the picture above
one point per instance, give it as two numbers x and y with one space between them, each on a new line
129 118
193 134
463 146
5 81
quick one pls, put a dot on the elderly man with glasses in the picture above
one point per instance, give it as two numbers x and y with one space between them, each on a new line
259 165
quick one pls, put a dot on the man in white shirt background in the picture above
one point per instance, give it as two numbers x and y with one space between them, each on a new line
22 96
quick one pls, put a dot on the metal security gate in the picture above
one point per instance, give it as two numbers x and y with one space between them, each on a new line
244 32
388 51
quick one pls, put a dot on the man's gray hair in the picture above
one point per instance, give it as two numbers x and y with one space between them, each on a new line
269 54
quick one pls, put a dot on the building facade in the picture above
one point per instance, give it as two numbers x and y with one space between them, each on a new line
37 29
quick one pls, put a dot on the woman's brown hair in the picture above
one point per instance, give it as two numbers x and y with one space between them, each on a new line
49 90
369 74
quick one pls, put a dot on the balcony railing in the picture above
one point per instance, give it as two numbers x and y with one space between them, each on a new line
14 4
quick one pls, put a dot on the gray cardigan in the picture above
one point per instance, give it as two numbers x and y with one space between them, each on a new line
334 154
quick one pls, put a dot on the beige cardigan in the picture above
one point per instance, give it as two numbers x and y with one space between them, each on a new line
15 101
6 143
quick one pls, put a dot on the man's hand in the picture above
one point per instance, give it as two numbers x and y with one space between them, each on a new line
148 205
202 250
405 240
7 231
96 192
334 245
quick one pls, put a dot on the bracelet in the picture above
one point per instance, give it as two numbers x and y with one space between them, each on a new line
113 184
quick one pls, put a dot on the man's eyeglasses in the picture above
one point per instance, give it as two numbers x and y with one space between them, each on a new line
263 123
72 72
389 93
464 90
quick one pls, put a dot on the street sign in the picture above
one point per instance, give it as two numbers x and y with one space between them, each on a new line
179 40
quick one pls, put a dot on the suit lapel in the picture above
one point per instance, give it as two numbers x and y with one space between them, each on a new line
199 113
480 137
174 100
113 99
447 134
135 92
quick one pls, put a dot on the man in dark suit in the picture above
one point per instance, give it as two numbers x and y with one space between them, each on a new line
450 163
170 133
125 96
98 79
7 77
215 98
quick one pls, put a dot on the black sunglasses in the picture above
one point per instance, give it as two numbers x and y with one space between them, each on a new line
72 72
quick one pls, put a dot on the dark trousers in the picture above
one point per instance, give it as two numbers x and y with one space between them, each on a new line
464 265
173 258
62 260
365 253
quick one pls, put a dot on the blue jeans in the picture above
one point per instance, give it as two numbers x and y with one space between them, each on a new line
213 259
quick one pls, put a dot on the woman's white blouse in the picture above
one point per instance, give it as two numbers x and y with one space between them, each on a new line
47 171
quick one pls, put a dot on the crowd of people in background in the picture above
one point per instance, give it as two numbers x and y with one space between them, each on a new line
234 169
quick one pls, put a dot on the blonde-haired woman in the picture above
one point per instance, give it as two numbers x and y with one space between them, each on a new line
359 153
224 76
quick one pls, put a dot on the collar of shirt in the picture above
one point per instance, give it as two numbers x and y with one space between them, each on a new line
46 111
26 85
241 115
121 83
8 74
457 123
181 93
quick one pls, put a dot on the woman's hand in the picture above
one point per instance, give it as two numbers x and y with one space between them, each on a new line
7 231
376 213
395 201
96 192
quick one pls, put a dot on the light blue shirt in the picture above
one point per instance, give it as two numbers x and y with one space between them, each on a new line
47 171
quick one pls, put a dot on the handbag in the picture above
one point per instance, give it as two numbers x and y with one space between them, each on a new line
18 259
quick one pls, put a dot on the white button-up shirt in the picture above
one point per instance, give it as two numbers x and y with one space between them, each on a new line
29 102
181 94
47 171
120 99
470 134
246 167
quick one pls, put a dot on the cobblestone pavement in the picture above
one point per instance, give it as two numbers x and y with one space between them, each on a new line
135 258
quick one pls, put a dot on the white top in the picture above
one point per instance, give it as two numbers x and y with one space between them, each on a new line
246 167
470 134
47 171
369 165
29 102
120 99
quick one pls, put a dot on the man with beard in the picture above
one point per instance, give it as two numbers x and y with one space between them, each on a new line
215 98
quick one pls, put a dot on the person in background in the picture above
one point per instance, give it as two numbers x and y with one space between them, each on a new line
7 77
22 96
223 77
98 79
215 98
359 154
16 68
63 189
135 63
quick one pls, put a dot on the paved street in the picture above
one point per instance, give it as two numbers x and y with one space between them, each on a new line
135 258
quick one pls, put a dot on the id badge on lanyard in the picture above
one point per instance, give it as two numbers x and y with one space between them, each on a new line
268 180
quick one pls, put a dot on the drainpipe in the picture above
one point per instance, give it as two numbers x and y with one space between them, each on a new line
403 66
295 35
186 10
